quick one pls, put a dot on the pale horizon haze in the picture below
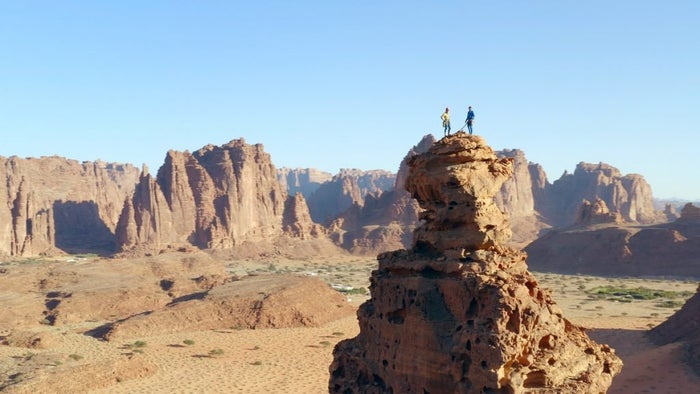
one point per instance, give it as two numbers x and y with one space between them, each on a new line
340 84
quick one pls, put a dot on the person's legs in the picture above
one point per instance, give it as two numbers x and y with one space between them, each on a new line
469 126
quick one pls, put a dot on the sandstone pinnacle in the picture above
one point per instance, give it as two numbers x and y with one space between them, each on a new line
459 312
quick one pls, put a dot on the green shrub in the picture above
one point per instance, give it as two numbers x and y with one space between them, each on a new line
188 342
216 352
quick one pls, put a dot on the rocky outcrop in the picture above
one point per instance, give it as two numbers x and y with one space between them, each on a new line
302 180
600 248
297 220
347 188
518 196
596 212
459 312
214 198
254 302
630 195
53 204
683 326
384 222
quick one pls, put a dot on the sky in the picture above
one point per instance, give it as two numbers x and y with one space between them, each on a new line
356 84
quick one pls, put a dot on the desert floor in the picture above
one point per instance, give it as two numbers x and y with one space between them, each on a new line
296 360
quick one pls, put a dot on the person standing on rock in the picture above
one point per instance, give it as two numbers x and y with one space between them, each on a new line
470 119
446 121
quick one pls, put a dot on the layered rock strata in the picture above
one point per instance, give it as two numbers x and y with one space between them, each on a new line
215 198
52 204
459 312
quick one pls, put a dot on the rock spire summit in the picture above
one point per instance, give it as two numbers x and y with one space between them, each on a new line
459 312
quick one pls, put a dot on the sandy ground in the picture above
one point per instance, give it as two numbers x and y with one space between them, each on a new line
296 360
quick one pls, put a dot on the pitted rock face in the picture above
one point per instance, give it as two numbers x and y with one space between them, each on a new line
455 182
460 313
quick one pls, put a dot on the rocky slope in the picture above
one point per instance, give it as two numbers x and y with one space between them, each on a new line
215 198
604 247
459 312
53 204
683 326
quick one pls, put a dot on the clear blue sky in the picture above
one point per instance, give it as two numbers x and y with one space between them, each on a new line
355 84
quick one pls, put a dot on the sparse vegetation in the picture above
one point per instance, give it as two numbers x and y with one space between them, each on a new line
638 293
75 357
188 342
258 362
216 352
325 343
140 344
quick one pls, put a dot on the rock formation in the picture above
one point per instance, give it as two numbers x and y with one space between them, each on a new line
630 195
600 248
384 222
459 312
52 204
347 188
302 180
596 212
215 198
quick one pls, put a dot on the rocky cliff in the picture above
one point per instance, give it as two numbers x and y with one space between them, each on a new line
602 246
214 198
630 195
459 312
347 188
384 222
53 204
302 180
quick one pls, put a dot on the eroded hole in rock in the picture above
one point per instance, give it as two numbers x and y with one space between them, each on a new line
513 324
484 365
396 317
473 309
535 379
547 342
458 329
385 363
589 351
469 345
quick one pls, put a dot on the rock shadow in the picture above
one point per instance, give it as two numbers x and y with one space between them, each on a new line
80 229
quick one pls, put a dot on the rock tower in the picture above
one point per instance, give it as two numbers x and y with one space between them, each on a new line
459 312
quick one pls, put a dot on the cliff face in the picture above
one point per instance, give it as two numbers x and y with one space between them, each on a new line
302 180
630 195
347 188
383 222
459 312
215 198
54 204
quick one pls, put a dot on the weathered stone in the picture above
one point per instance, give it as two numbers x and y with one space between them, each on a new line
52 204
460 313
216 198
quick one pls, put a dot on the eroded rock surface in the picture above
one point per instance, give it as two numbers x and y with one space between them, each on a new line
459 312
52 204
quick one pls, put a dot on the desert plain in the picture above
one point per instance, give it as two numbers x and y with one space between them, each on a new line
47 349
